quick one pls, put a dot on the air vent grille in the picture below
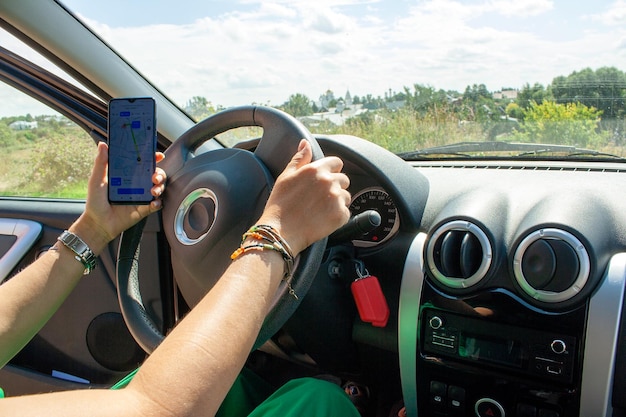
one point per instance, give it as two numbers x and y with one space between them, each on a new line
551 265
458 254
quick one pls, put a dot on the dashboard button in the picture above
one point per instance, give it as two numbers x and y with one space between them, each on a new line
438 393
487 407
456 398
435 322
558 346
526 410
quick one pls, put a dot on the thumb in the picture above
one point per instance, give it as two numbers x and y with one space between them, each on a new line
302 157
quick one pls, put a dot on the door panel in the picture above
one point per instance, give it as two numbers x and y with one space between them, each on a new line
86 342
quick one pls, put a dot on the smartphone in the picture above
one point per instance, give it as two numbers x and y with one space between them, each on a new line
132 145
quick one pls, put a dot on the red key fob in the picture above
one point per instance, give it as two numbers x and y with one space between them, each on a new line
370 301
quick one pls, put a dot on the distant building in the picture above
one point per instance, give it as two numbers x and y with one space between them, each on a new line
326 99
506 94
334 115
341 106
23 125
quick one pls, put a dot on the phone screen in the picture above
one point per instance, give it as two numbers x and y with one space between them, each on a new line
132 144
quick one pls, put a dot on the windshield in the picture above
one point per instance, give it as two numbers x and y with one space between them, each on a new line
412 76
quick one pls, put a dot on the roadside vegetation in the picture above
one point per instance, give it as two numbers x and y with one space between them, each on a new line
52 159
585 109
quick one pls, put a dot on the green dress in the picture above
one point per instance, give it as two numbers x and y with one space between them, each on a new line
251 396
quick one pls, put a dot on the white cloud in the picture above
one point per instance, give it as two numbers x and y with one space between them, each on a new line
269 50
326 22
615 15
520 8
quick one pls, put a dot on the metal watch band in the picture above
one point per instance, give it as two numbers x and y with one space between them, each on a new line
84 255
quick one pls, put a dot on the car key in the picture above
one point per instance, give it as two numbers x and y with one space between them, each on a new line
369 298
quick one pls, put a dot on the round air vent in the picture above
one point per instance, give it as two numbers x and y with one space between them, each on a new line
551 265
458 254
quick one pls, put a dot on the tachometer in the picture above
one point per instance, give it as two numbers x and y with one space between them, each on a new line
376 199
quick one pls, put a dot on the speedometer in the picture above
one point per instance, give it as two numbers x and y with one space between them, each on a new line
376 199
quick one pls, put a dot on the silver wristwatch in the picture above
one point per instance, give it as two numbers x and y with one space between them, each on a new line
84 255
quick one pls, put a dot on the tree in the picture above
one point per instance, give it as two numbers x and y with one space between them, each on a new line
514 110
199 108
372 103
424 98
604 89
561 123
298 105
476 92
478 105
536 93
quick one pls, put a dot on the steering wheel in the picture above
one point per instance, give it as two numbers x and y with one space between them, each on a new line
211 199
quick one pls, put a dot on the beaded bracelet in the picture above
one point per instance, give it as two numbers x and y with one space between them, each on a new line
275 242
268 234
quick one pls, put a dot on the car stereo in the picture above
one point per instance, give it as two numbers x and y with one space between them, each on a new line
522 350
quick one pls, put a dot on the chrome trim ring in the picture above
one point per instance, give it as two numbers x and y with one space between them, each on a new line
490 402
551 296
183 211
466 226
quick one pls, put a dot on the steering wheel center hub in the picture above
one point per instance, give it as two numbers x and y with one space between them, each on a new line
195 216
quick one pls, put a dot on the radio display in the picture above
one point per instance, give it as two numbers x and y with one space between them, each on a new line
491 349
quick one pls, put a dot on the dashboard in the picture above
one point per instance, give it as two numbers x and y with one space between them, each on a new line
505 281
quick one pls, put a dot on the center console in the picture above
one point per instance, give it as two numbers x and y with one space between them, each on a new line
490 354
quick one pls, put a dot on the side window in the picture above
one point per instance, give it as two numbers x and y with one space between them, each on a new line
44 154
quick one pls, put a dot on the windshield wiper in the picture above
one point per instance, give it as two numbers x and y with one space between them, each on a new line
576 153
512 149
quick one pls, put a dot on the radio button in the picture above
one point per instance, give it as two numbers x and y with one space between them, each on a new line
486 407
558 346
526 410
456 398
435 322
437 393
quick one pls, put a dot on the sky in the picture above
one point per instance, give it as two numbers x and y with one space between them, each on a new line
236 52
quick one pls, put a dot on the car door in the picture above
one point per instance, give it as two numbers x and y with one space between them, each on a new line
48 132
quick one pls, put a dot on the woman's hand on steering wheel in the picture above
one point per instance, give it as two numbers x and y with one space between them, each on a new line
309 200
